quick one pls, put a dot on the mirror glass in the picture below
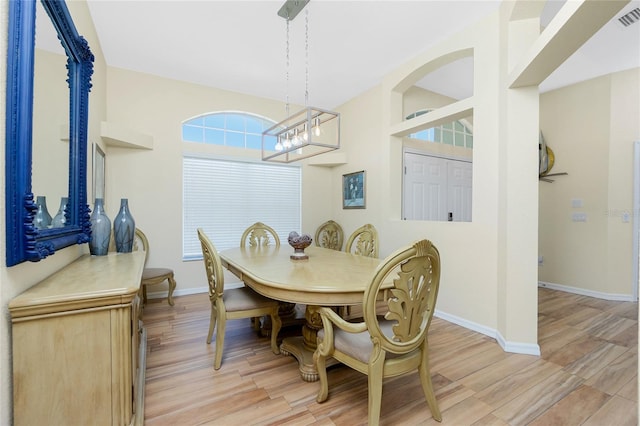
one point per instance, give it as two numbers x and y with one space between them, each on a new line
46 127
50 155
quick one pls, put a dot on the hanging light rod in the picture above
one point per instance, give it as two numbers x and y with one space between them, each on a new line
291 8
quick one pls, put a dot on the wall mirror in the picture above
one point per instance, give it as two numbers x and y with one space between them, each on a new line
25 240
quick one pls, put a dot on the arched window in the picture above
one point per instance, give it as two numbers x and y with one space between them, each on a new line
456 133
226 195
228 128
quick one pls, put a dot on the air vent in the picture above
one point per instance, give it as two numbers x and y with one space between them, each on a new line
630 18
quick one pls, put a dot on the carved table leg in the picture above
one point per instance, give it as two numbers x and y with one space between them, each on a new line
290 315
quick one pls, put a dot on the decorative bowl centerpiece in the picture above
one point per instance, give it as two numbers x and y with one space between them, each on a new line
299 243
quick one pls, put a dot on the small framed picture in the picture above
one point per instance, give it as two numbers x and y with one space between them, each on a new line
354 190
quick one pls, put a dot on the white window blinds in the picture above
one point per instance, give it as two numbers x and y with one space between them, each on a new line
225 197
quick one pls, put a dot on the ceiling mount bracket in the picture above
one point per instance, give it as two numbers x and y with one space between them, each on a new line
291 8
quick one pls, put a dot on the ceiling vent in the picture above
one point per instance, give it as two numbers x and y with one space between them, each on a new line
630 18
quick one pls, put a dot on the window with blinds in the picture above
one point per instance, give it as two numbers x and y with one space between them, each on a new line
225 197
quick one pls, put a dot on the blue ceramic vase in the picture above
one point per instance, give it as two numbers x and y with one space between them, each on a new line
100 230
124 227
60 219
42 220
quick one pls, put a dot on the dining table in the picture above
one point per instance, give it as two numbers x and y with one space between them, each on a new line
325 278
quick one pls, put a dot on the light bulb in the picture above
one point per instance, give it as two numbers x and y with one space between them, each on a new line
296 139
279 146
305 133
287 142
316 127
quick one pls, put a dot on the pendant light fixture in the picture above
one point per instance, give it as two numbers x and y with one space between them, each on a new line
310 131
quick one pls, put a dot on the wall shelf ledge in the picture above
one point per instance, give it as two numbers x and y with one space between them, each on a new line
121 136
329 160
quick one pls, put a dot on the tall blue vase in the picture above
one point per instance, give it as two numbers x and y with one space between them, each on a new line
60 219
124 227
42 219
100 230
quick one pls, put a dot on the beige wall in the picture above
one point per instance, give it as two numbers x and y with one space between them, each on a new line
18 278
591 127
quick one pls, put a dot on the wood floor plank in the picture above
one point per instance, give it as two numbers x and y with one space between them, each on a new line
575 408
486 354
575 350
490 420
491 374
558 340
465 412
593 362
615 374
533 402
617 411
630 389
627 337
515 384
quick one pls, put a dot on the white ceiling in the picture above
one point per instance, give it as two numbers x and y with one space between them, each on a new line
240 45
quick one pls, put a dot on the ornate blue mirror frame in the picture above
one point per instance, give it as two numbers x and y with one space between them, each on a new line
24 240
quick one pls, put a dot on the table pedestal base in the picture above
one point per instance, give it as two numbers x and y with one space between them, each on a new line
303 347
296 347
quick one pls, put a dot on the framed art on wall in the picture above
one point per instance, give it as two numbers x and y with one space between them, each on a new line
353 190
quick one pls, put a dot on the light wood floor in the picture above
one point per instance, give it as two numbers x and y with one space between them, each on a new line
587 373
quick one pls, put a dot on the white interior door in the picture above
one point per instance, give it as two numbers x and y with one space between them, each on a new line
436 188
425 187
460 182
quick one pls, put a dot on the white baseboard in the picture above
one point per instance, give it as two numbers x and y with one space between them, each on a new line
590 293
512 347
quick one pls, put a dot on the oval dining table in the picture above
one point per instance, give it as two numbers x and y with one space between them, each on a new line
327 278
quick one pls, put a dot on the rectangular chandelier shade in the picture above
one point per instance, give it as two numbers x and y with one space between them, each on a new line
311 131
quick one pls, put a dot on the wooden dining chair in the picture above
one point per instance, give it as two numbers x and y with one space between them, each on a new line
258 235
233 303
363 241
330 235
261 235
152 276
392 344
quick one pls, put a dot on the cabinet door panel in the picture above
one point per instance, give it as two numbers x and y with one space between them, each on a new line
62 369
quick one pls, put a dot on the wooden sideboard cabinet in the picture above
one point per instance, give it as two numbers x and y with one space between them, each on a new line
79 346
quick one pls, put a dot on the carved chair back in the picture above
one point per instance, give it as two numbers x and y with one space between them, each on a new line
258 235
363 241
330 235
410 303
